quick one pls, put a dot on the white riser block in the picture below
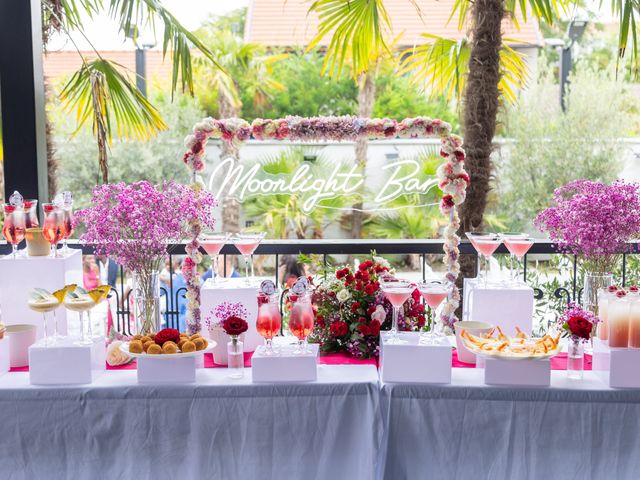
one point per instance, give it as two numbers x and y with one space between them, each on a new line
285 367
413 362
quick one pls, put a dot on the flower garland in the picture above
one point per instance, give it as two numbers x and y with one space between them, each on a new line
453 180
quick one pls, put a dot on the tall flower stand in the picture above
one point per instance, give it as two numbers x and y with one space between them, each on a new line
506 306
19 276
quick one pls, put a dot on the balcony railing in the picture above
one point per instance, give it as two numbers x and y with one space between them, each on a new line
325 249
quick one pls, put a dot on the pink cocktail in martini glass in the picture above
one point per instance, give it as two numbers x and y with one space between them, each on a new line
485 244
518 245
397 292
247 243
212 244
434 293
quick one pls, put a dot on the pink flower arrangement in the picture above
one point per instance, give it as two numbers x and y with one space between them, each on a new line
134 223
578 323
225 310
594 220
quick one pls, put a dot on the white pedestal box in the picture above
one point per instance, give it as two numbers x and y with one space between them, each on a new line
167 370
285 367
618 367
507 307
521 373
233 290
19 276
413 362
65 363
4 355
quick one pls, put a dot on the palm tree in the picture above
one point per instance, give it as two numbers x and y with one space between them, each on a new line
284 216
101 91
241 62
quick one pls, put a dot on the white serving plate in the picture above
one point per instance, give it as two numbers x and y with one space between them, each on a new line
125 348
513 356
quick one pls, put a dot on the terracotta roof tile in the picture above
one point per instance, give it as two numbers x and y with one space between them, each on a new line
279 23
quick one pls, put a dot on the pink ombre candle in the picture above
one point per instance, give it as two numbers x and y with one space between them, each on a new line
603 309
634 322
618 320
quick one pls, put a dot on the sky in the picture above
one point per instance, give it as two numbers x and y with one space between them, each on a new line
103 33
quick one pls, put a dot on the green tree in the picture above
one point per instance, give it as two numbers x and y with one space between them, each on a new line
551 147
102 91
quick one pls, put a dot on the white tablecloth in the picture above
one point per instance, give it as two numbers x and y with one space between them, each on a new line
466 430
216 429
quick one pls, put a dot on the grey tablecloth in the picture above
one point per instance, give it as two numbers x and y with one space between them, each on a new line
470 431
216 429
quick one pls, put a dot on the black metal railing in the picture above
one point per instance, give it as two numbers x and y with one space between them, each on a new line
325 249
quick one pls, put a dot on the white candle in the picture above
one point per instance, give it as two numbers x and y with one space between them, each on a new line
618 320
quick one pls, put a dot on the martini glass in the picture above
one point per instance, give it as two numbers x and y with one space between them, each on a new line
42 301
397 292
485 244
246 243
80 301
518 245
14 227
212 244
434 293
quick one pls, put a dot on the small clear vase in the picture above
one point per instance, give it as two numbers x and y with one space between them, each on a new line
235 357
575 359
146 301
594 281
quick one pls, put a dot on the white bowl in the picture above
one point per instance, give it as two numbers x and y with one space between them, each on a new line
474 328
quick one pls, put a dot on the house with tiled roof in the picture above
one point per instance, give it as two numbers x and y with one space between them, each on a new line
288 23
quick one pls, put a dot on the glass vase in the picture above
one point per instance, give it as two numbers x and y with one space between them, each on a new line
575 359
592 283
146 301
235 357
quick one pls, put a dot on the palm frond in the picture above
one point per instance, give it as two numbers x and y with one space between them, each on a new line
441 66
357 29
101 92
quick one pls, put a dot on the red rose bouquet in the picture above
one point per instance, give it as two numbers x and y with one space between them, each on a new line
579 324
351 310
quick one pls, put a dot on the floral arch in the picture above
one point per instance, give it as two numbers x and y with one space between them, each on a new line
452 178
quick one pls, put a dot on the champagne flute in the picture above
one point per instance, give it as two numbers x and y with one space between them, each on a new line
397 292
518 245
14 227
434 293
212 244
53 226
247 243
485 244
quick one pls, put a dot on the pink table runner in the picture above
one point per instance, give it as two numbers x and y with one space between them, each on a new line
559 362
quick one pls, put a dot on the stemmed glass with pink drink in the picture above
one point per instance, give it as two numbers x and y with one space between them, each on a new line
212 244
301 318
53 226
14 226
518 245
434 293
269 318
247 243
485 244
397 292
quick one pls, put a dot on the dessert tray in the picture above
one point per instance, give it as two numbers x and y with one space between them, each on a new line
520 347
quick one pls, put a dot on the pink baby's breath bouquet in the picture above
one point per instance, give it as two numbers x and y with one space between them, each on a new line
593 220
134 223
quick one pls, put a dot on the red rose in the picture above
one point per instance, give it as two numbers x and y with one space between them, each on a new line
459 155
363 329
320 321
167 334
633 288
621 293
359 286
197 148
612 288
339 328
348 280
235 325
340 274
421 320
374 328
370 289
415 295
580 327
355 306
372 308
